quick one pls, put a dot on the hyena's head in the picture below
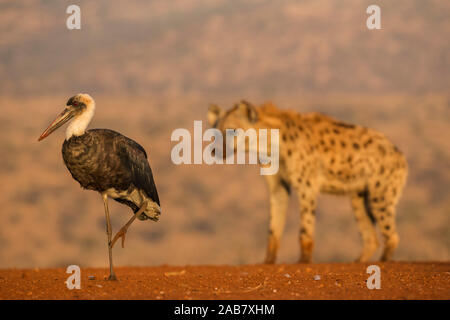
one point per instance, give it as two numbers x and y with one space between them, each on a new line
255 134
241 117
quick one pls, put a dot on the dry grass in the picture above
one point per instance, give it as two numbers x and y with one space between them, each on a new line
47 220
155 66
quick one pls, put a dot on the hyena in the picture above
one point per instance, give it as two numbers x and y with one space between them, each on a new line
319 154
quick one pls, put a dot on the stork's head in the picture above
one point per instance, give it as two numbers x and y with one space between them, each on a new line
80 101
81 107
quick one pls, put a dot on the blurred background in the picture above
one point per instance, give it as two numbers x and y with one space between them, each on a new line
154 66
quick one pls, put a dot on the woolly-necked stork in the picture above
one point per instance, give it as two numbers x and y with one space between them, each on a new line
108 162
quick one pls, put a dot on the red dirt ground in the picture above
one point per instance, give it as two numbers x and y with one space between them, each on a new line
399 280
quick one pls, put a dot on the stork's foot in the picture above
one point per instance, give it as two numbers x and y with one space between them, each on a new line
121 234
112 277
123 231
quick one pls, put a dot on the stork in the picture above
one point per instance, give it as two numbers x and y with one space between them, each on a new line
107 162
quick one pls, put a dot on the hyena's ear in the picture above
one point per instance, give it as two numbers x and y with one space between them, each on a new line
214 113
250 111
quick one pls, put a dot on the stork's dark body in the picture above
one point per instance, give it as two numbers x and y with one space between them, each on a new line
103 159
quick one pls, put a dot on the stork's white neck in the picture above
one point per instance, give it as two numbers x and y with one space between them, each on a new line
78 125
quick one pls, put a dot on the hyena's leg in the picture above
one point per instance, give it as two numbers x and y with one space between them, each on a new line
308 202
384 193
382 205
366 224
386 218
279 196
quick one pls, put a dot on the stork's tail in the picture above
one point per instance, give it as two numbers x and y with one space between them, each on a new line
152 212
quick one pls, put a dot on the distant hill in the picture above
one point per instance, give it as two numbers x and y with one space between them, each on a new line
211 214
154 66
223 47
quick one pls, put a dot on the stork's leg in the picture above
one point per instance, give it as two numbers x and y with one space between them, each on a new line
112 275
123 231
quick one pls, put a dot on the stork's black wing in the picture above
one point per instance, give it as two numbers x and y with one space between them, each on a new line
134 158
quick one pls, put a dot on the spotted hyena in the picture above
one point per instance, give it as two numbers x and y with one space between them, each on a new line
321 154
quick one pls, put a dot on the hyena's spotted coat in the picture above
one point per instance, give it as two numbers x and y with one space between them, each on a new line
321 154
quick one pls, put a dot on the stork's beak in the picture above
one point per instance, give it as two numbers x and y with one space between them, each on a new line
63 117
